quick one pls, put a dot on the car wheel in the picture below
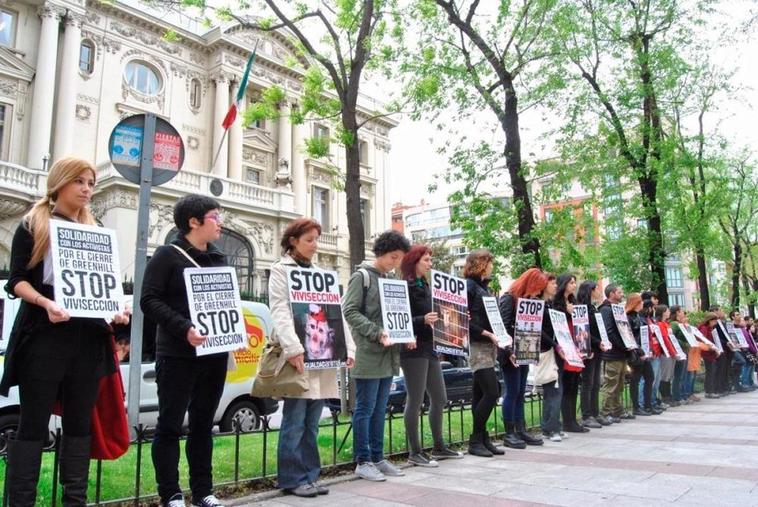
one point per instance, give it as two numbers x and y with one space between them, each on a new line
243 414
8 426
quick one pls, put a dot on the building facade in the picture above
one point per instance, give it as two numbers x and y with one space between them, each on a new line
70 70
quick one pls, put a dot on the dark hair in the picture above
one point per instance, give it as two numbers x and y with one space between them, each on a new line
414 255
648 294
714 308
676 309
610 289
660 310
731 314
584 294
531 281
192 206
476 263
560 300
297 228
390 241
648 308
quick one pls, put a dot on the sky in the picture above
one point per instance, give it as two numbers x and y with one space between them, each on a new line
414 159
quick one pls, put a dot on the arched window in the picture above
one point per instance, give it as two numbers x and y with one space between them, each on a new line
239 254
87 56
196 90
142 78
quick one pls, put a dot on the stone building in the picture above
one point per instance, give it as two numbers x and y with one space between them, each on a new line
71 69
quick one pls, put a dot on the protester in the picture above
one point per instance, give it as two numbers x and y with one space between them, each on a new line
746 374
590 293
668 362
710 356
298 461
185 380
552 392
656 352
51 355
615 358
724 384
421 364
563 301
376 358
639 361
529 285
679 391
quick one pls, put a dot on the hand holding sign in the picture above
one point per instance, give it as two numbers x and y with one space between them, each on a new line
55 313
430 318
194 337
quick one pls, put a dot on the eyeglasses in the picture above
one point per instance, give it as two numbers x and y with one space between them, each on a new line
216 217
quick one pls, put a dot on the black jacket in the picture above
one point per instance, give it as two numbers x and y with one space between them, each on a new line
164 295
618 349
635 324
420 295
479 322
595 338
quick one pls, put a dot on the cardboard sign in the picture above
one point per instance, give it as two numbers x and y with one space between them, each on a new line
216 309
496 322
659 338
86 272
687 332
700 336
680 355
603 331
645 339
564 338
450 301
528 330
317 314
622 323
736 336
580 319
396 310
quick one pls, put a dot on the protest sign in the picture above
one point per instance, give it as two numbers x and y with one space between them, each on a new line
687 332
604 340
528 330
622 323
736 336
396 310
658 337
86 273
450 301
700 336
645 339
731 339
580 319
496 322
564 338
680 355
317 314
216 309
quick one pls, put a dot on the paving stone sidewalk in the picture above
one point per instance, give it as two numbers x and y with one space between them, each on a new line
700 454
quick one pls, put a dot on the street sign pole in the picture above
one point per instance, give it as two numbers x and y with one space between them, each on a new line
140 259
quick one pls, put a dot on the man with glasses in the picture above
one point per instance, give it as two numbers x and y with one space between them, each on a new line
185 380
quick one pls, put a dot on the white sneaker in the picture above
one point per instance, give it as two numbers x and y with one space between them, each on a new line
564 435
207 501
389 469
555 437
369 472
176 501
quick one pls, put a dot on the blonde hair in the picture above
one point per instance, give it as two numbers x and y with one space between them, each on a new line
63 172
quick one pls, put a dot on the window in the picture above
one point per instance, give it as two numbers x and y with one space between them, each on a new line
366 217
321 132
253 176
87 56
196 91
5 113
142 78
321 206
363 156
260 123
7 28
674 277
676 299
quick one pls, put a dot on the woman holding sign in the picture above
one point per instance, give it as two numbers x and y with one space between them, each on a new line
590 293
483 353
299 464
52 356
639 362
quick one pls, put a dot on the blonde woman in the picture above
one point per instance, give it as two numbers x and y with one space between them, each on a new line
52 356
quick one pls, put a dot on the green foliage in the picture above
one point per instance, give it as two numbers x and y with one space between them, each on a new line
171 36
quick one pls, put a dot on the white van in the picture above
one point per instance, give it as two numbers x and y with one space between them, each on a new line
236 405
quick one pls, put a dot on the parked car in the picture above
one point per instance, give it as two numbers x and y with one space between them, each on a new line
236 405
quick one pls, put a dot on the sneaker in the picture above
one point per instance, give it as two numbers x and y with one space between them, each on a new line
207 501
303 491
445 453
591 422
626 415
563 434
603 421
422 460
674 403
388 469
641 411
369 472
321 490
695 398
176 501
614 419
556 437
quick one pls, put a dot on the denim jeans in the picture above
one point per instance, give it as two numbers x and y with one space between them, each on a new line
680 368
688 384
297 455
747 375
552 394
515 388
371 395
656 364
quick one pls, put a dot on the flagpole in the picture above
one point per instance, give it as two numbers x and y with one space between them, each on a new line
218 151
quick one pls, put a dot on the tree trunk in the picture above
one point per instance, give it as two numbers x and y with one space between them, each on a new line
656 254
736 270
530 244
748 289
356 235
702 279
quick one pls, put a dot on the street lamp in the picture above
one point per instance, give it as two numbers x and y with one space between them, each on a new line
45 159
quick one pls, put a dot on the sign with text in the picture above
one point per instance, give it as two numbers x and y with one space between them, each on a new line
216 309
622 323
528 330
317 313
645 339
396 310
700 336
450 301
658 336
604 340
580 319
86 269
564 338
736 336
496 322
687 332
680 355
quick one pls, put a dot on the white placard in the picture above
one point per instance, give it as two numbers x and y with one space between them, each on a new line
645 339
622 323
688 335
603 331
396 310
700 336
680 355
496 322
528 330
86 269
659 338
564 338
735 333
450 301
216 309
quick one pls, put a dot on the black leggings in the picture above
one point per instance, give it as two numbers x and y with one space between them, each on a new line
644 371
37 397
486 391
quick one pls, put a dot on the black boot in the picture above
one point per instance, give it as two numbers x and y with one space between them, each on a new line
525 435
22 472
490 446
74 470
511 439
476 446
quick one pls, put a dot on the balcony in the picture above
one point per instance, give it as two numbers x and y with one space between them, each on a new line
19 188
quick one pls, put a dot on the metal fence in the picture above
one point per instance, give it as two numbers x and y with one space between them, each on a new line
456 426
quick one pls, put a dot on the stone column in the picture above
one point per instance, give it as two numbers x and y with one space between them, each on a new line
44 86
63 134
299 183
235 144
284 126
221 108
